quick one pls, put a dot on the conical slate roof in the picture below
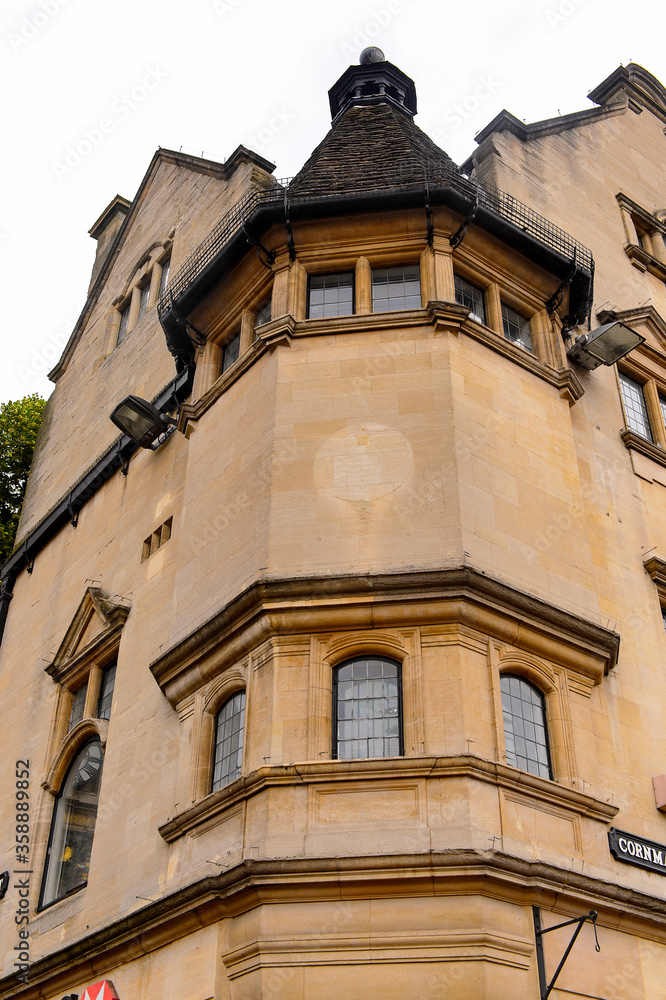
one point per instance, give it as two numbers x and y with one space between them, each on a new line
366 147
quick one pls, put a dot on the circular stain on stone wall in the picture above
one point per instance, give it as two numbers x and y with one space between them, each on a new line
364 461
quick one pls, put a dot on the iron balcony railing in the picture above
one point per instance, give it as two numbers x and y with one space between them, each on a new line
407 176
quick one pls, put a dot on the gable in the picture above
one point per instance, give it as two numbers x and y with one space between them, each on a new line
95 624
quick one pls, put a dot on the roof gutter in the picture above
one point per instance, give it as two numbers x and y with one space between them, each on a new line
263 216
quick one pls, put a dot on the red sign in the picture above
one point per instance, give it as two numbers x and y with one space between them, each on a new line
104 990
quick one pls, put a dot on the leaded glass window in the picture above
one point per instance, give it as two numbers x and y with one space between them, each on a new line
330 295
73 825
367 707
143 300
396 288
164 278
124 320
471 297
516 327
228 754
635 407
263 313
525 733
106 692
230 352
78 705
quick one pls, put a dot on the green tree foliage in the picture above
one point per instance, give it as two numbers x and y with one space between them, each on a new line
19 423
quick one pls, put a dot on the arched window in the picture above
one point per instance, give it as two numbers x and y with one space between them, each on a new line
525 732
367 709
73 825
228 753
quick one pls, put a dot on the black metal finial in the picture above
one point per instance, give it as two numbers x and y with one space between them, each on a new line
371 55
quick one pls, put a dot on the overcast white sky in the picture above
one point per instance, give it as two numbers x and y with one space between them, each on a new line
206 75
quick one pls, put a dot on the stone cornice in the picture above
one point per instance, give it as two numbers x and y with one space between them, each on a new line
638 84
396 768
459 594
443 316
564 379
655 566
645 261
253 882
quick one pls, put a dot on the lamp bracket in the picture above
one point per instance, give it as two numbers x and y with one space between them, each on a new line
545 987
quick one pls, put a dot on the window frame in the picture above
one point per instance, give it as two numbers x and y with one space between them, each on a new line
509 675
506 308
641 230
78 702
335 742
165 267
236 339
75 756
395 267
144 299
123 323
623 374
330 274
216 721
457 277
102 693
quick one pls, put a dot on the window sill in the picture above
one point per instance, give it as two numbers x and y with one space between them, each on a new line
61 899
527 786
441 315
637 443
564 379
644 261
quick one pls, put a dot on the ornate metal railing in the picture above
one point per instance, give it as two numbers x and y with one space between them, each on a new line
407 176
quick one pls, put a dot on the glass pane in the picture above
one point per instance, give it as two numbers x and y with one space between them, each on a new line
230 352
395 288
78 706
73 825
471 297
106 692
122 329
228 753
525 734
263 313
164 278
370 690
516 327
143 300
634 406
330 295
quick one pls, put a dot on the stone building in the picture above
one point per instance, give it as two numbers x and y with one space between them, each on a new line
346 681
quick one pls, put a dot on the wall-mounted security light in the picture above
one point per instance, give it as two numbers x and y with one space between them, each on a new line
142 421
604 346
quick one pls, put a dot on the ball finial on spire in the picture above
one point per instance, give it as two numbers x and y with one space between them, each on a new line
371 55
